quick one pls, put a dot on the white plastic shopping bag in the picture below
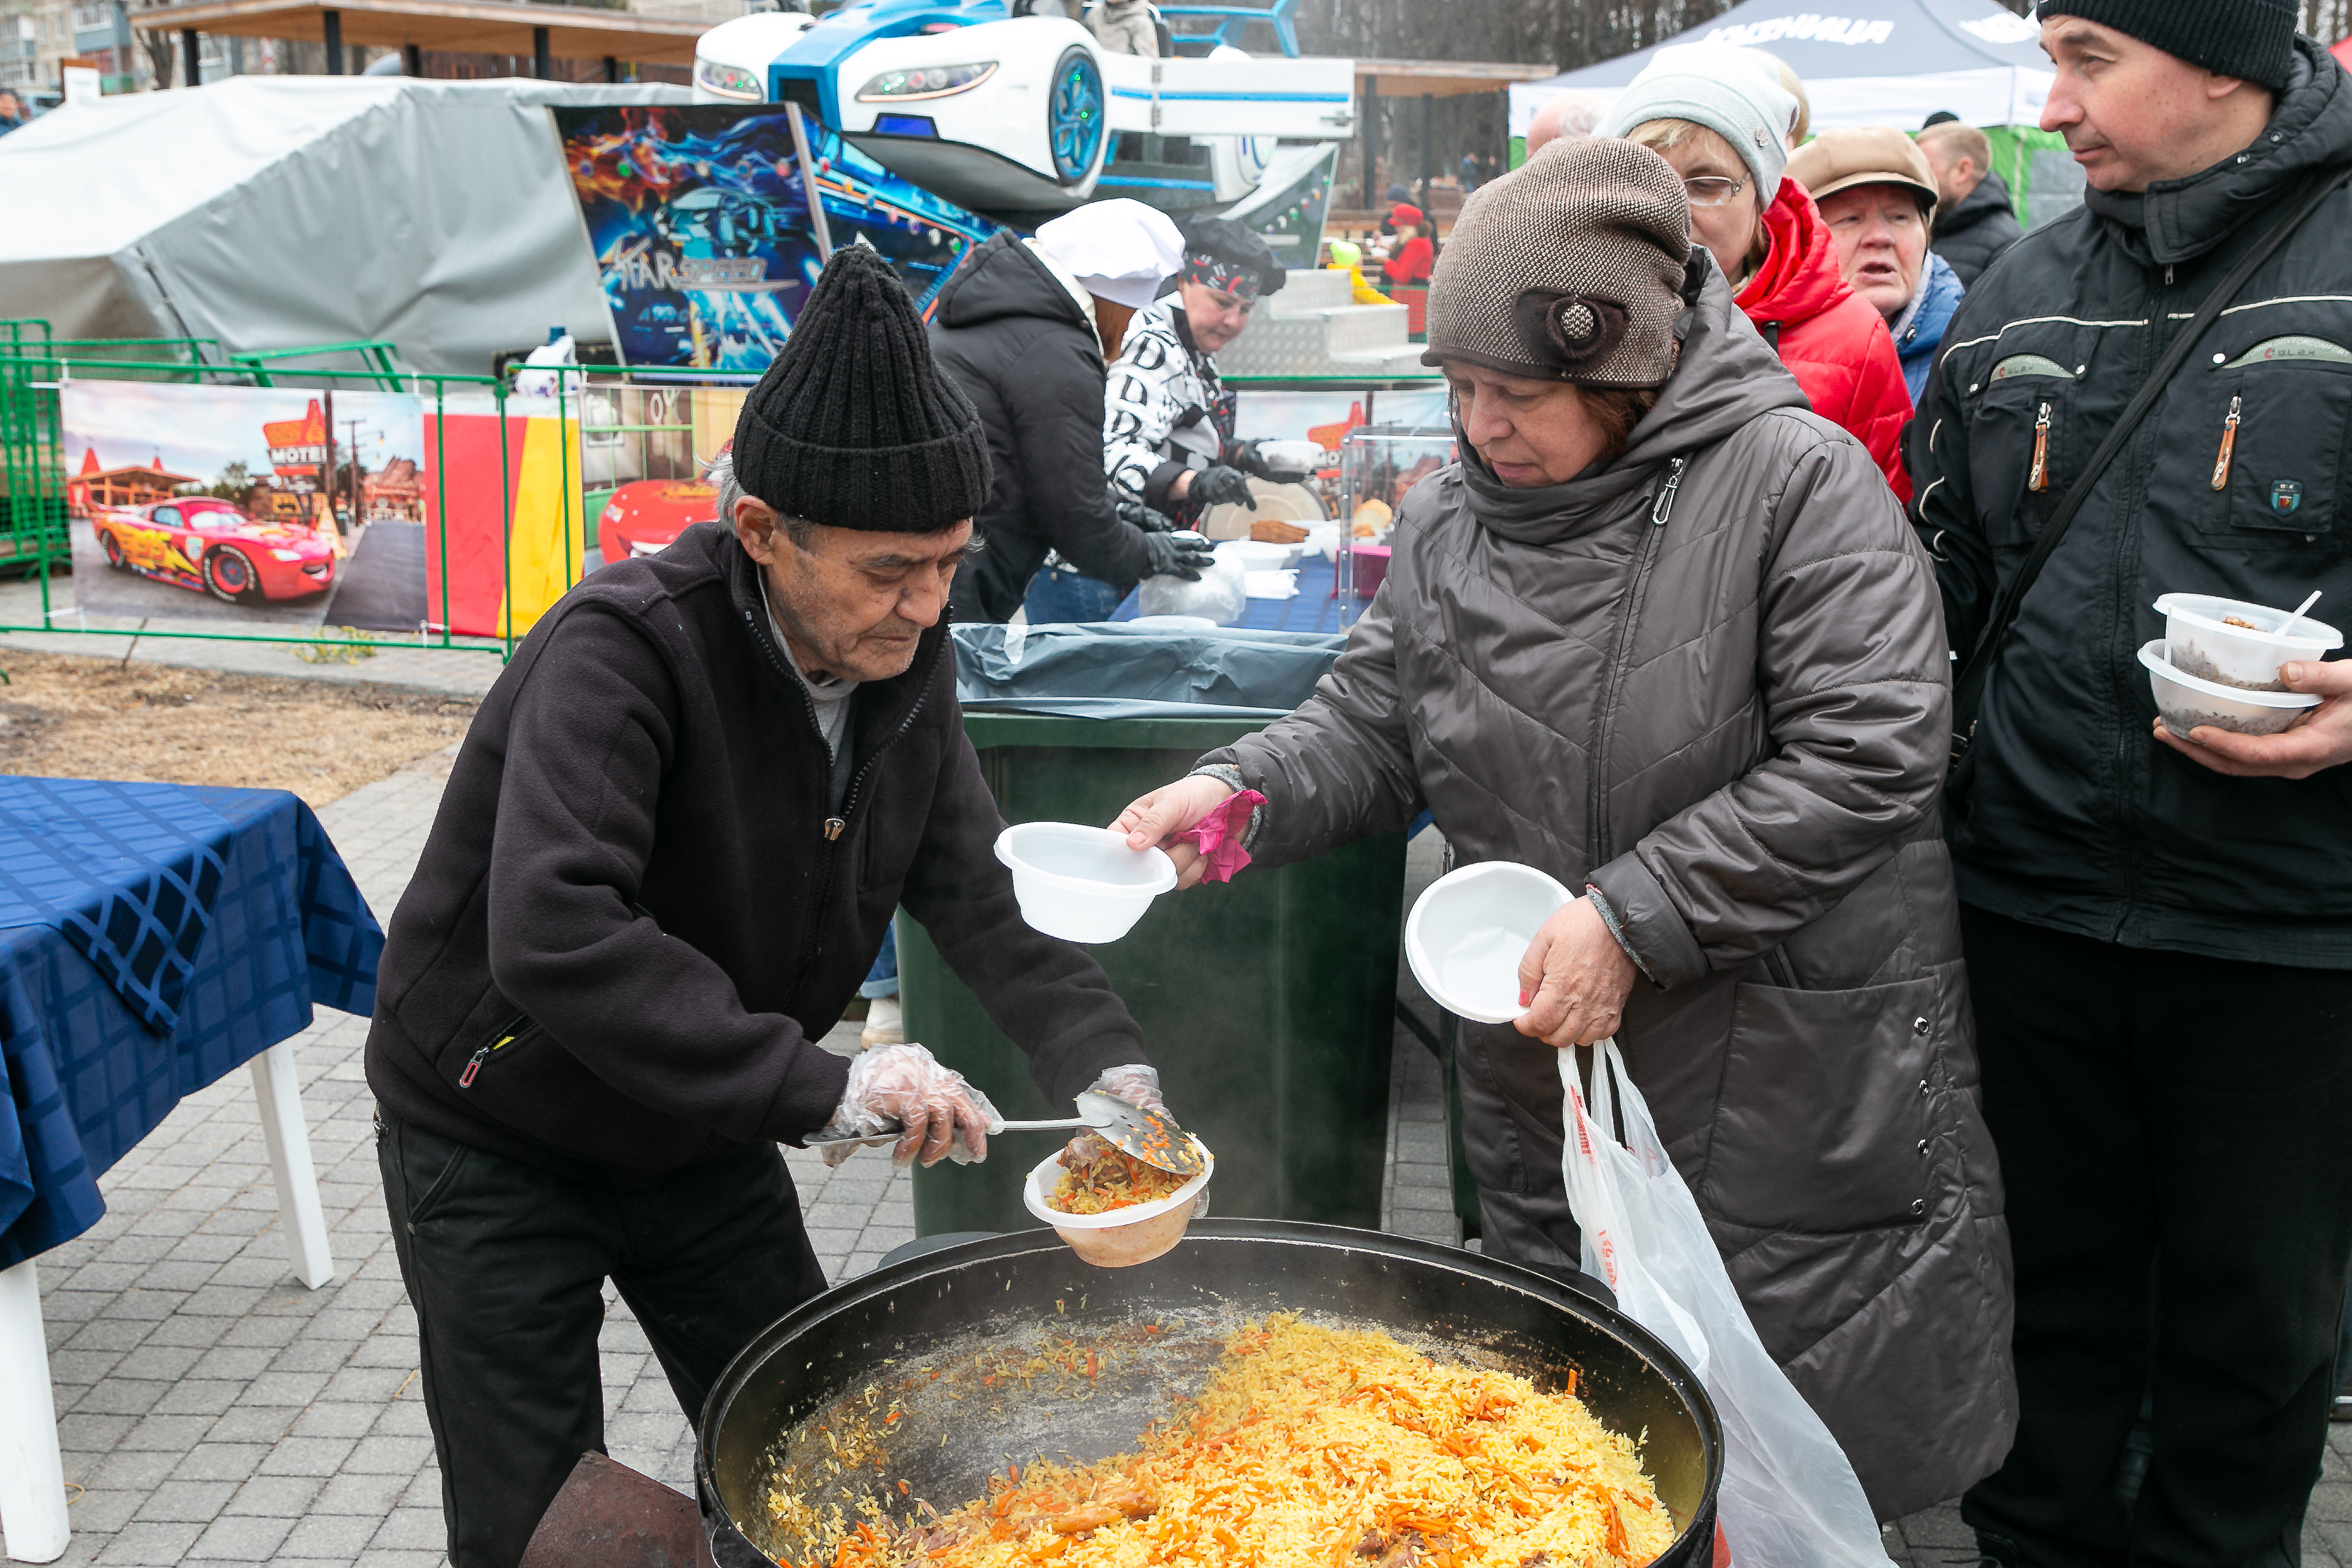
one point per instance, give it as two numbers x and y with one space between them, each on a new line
1789 1499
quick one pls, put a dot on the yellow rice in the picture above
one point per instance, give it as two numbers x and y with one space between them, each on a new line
1318 1446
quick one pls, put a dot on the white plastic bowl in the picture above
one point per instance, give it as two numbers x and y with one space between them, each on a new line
1466 935
1123 1237
1080 883
2185 702
2204 645
1261 556
1304 457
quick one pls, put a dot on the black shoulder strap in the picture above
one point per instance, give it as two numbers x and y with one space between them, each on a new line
1968 687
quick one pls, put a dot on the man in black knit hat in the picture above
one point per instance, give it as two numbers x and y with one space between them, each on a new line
2158 926
666 856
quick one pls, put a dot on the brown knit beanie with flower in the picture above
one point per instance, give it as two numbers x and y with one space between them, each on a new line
1570 267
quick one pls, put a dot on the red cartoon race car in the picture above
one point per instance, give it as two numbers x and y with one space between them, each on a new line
213 547
646 515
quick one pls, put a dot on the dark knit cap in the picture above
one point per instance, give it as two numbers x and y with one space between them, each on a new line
1569 267
853 426
2251 39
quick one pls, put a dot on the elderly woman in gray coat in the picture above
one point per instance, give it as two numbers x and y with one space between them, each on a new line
1663 633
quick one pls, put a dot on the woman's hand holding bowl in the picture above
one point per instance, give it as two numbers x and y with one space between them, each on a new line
1170 809
1574 979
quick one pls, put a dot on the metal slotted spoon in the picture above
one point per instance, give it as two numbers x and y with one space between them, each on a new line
1150 1136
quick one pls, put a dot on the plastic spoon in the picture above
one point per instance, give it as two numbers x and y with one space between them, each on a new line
1150 1136
2300 610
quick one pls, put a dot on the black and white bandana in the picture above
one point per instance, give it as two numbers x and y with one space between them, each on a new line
1230 256
1238 279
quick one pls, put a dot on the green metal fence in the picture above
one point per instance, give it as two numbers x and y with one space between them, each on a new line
35 368
629 426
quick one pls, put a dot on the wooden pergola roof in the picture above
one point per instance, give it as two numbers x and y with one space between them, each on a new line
467 27
1442 79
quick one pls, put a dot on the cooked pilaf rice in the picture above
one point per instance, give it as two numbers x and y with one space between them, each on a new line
1317 1446
1116 1180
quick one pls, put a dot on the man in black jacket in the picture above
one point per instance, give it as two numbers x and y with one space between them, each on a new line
2160 930
1974 222
1023 327
664 860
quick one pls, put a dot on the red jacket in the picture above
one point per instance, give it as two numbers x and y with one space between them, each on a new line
1831 339
1411 264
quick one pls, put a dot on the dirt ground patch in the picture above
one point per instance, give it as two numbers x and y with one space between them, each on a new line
67 717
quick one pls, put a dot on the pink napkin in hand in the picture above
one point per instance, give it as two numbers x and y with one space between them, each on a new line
1218 836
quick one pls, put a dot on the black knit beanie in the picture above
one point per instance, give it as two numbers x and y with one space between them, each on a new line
853 426
2251 39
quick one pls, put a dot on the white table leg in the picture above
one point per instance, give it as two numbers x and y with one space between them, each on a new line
32 1479
289 1137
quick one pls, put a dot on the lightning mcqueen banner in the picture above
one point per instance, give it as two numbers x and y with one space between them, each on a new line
247 503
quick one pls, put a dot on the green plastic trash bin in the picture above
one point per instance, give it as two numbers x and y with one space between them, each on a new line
1267 1002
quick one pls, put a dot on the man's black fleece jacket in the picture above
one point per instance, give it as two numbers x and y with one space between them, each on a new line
635 880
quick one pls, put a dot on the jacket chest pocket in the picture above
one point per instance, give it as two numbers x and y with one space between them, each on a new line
2264 439
2022 451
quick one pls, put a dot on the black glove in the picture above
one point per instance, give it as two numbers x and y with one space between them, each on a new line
1250 460
1133 512
1220 485
1166 555
1245 457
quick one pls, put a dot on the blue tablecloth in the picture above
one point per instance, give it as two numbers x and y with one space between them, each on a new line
1315 610
153 937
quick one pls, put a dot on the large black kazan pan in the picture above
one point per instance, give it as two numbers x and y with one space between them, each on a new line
980 1352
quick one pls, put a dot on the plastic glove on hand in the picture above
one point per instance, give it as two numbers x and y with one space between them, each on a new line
1177 555
1221 485
939 1114
1138 1085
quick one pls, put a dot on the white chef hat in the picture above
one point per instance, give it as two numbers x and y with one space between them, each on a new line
1118 249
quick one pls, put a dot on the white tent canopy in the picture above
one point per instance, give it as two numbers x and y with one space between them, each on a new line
278 212
1870 62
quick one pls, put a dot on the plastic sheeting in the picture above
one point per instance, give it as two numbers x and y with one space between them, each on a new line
277 211
1114 670
1864 62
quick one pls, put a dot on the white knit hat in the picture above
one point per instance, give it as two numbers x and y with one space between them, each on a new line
1722 88
1117 249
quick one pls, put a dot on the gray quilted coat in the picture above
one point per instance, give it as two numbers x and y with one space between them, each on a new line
1711 679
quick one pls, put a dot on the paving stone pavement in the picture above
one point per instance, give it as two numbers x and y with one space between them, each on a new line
213 1411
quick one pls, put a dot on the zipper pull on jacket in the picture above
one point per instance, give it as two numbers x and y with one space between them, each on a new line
1665 509
2229 444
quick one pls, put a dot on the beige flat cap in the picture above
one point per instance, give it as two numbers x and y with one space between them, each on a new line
1864 156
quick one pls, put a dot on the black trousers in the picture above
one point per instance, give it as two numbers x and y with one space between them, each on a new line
504 1265
2173 1135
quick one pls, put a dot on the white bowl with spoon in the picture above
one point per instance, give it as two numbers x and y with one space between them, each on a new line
2231 642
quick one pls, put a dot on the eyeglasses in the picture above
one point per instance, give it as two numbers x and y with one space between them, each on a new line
1712 190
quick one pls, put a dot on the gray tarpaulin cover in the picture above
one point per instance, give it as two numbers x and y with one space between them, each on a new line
1113 670
278 212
